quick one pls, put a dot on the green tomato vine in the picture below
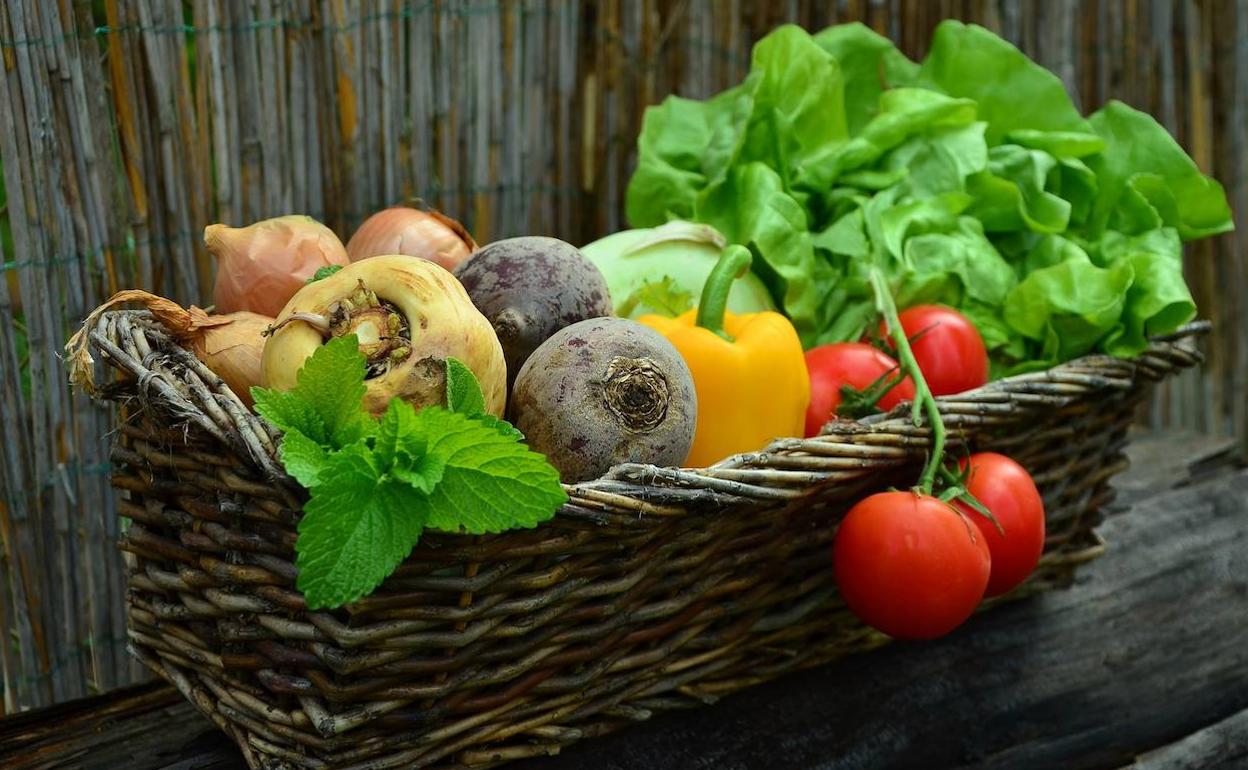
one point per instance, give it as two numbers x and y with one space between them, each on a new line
924 401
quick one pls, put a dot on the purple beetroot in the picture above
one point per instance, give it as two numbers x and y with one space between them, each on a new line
531 287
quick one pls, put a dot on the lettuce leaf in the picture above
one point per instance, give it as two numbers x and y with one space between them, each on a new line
870 63
1012 92
1145 177
751 207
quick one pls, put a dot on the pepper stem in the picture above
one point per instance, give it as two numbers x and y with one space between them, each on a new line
734 263
923 399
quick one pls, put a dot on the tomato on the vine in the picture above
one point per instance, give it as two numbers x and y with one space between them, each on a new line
910 565
947 347
1008 492
851 364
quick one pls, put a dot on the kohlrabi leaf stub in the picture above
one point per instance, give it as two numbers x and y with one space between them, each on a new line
662 296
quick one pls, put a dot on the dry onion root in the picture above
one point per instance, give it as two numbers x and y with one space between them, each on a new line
229 345
409 316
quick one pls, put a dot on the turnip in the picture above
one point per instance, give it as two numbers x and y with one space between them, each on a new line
531 287
408 314
602 392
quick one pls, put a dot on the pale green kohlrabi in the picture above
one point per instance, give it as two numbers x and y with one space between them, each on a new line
661 270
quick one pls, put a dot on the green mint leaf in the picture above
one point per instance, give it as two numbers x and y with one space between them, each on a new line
463 395
401 448
288 411
357 527
376 484
463 391
490 482
423 472
324 272
303 457
502 426
397 431
331 386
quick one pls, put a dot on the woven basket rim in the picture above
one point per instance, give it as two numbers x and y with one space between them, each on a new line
787 468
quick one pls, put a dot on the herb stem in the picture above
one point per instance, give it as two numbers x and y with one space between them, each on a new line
923 400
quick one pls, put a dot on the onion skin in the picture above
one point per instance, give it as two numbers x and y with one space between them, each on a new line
233 350
442 320
229 345
261 266
415 232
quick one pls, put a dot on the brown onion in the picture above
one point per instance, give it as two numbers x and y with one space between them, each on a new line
229 345
260 267
414 232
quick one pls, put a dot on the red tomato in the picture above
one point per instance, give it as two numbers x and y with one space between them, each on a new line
1008 492
910 565
948 348
848 363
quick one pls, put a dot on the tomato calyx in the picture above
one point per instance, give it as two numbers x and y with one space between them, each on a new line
956 479
884 342
954 488
857 403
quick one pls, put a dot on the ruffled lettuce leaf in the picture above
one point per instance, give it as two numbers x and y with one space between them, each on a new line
1012 92
751 207
1146 180
1068 307
870 64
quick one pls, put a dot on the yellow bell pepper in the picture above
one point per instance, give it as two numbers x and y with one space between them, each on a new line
748 370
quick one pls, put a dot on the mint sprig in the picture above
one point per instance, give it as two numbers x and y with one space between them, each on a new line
375 485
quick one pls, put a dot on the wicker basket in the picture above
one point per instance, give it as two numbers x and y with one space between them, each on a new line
653 588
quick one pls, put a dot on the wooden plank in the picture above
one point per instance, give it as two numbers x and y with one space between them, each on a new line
1170 460
146 726
1220 746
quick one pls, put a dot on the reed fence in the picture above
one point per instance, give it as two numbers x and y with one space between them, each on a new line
127 125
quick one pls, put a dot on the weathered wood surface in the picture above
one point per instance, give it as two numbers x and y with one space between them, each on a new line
1220 746
126 126
1150 646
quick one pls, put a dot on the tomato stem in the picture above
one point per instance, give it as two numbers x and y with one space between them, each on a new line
924 402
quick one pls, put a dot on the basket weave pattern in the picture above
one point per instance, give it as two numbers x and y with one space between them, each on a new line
651 589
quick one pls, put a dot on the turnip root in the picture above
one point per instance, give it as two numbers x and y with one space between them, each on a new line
408 314
602 392
531 287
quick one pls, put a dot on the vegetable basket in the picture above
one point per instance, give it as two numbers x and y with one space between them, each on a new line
651 589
